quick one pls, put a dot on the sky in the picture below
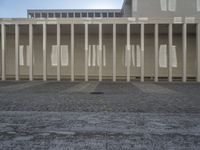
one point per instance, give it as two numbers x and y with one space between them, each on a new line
18 8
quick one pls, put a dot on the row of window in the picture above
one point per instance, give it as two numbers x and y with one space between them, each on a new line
64 55
74 15
166 5
94 56
135 60
24 55
134 57
170 6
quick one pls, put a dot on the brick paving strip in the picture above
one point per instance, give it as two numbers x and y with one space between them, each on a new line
153 88
98 131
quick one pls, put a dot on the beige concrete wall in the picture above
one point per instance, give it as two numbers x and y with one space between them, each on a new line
0 54
107 40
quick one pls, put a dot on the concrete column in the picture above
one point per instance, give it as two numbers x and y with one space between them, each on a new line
86 52
128 51
198 52
44 52
31 52
59 56
100 52
16 52
156 52
170 52
72 52
184 52
142 53
3 45
114 52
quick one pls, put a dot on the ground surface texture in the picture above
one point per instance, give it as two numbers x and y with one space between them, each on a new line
99 116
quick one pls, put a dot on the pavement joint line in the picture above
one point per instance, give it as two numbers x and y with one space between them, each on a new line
21 86
153 88
82 87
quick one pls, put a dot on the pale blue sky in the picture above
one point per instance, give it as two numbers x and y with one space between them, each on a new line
17 8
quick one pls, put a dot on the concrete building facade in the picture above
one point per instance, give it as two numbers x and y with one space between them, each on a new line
145 40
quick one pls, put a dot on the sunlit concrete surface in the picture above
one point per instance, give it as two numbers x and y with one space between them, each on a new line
99 116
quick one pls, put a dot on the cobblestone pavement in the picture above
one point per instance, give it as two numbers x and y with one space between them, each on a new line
99 116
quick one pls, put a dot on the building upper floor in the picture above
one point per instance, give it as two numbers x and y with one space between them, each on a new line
75 13
159 9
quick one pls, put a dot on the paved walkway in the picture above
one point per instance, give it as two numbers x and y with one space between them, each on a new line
123 116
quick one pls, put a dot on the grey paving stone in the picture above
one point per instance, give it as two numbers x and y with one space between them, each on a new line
80 130
64 115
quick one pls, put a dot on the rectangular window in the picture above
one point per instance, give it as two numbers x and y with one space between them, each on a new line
71 15
37 15
64 55
44 15
104 55
117 15
138 56
163 56
98 55
28 58
90 15
93 55
77 15
64 15
57 15
21 55
105 15
89 55
84 14
198 5
174 57
172 5
125 57
111 15
163 4
97 15
133 54
50 15
54 55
